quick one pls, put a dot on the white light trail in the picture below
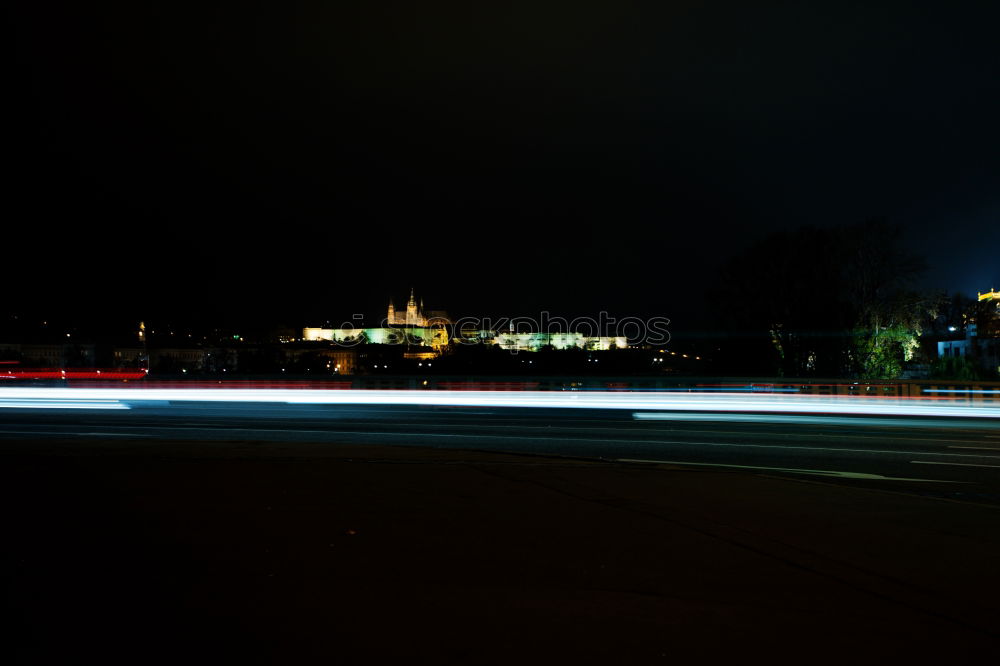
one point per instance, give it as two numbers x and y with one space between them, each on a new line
634 401
976 391
862 420
30 403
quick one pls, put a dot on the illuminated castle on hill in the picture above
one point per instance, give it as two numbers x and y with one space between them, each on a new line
414 315
416 327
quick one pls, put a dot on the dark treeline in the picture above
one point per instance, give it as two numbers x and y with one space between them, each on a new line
822 303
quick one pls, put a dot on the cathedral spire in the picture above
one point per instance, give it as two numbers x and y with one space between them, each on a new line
412 317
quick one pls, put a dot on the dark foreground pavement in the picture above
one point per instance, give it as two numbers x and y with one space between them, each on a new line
186 552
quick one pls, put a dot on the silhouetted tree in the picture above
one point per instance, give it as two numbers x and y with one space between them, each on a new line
822 302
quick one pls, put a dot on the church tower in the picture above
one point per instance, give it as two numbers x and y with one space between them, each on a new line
390 317
412 313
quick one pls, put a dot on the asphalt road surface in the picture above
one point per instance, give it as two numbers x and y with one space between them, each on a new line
950 457
267 532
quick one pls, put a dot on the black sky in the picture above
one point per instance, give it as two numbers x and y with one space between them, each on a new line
262 160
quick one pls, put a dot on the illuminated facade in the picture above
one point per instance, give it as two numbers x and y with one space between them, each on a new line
416 327
438 338
419 336
414 315
537 341
988 314
982 335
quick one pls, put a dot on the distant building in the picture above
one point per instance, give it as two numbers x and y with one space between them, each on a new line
982 335
336 360
439 338
343 361
128 357
416 327
415 315
947 348
51 355
536 341
185 359
427 337
988 314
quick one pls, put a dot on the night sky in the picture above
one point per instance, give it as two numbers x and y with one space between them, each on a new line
258 161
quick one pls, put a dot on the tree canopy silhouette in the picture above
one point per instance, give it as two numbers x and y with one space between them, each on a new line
822 302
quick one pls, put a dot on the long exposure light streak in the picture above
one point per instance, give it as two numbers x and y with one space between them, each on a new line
60 397
61 404
973 391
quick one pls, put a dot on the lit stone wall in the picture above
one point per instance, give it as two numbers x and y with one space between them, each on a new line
438 337
605 343
315 334
377 336
535 341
